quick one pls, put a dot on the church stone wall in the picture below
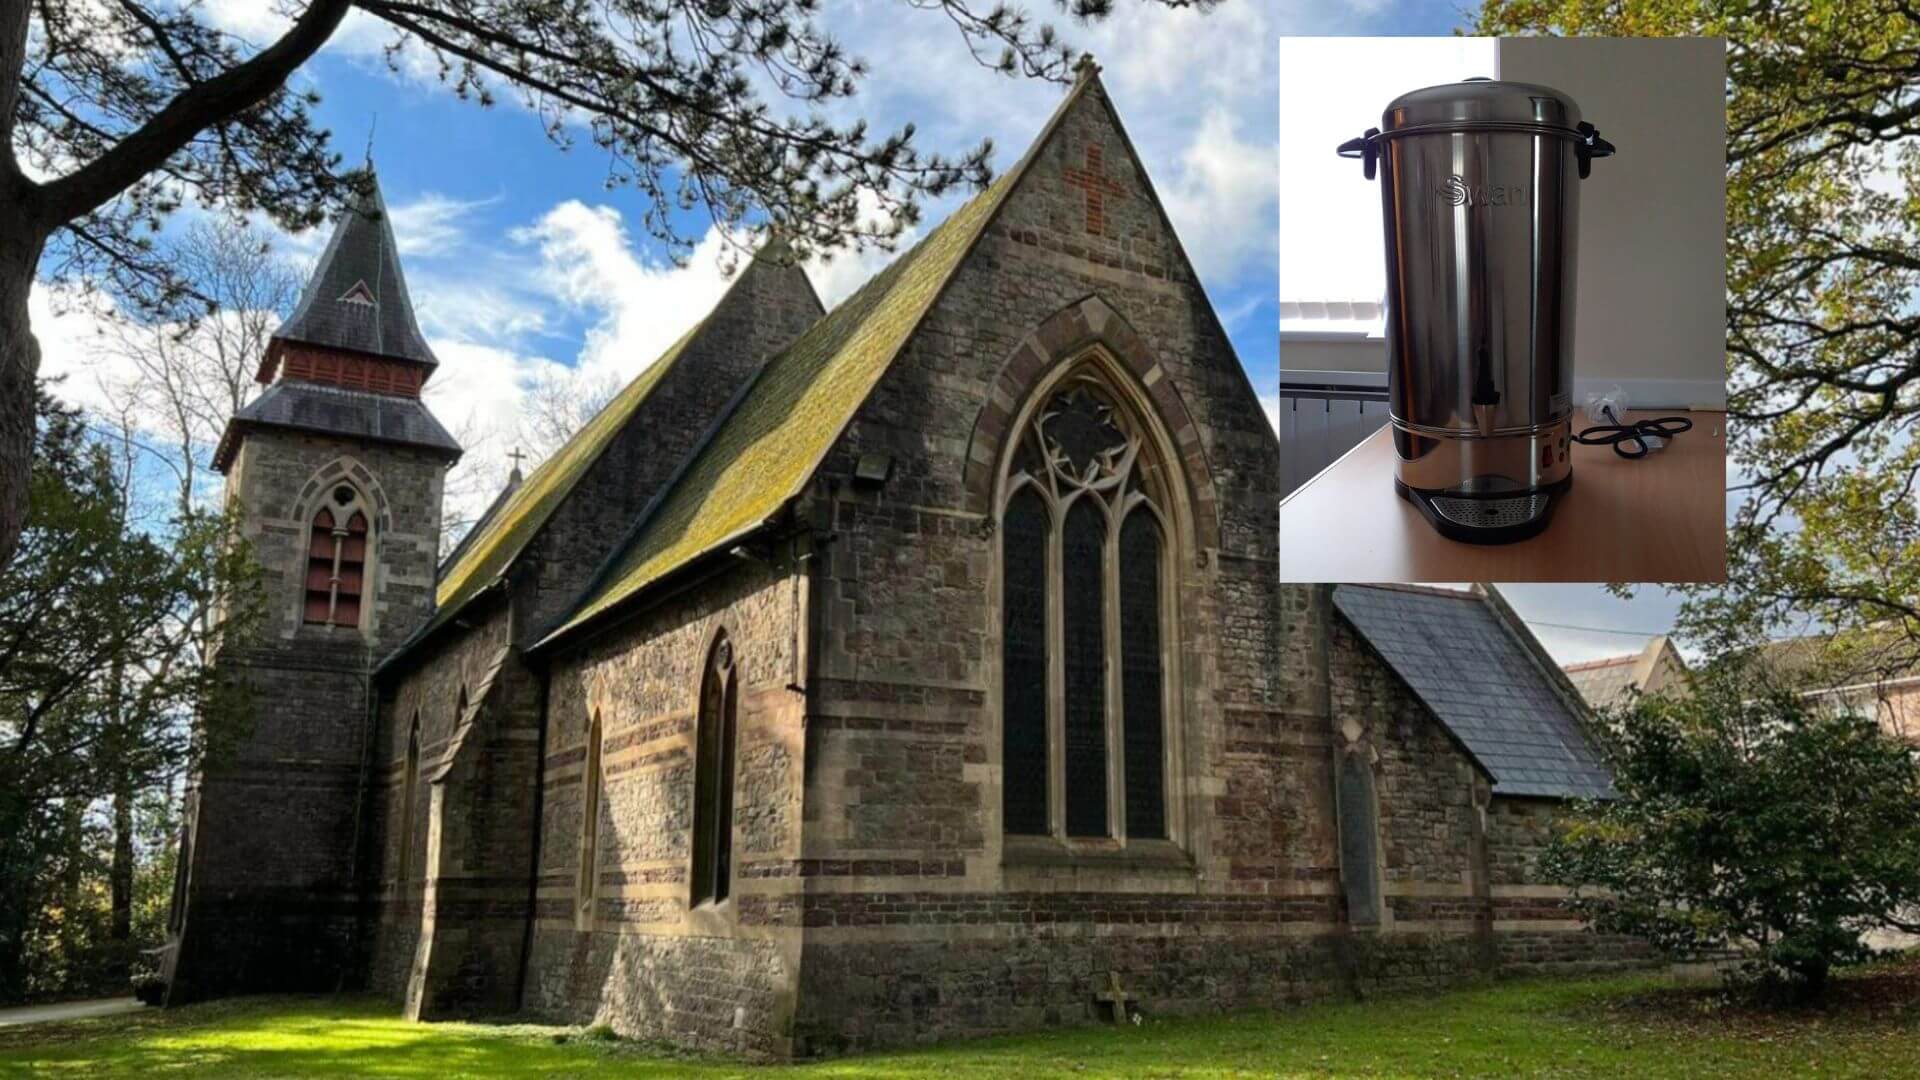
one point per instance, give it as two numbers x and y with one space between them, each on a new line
432 689
280 478
717 977
1533 928
919 922
270 900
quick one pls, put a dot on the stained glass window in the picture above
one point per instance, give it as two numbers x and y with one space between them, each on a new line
1083 708
1140 674
1024 672
1083 629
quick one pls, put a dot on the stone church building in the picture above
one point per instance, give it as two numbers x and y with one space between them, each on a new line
911 670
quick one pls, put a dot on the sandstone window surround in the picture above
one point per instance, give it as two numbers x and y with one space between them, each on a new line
1089 524
715 733
339 550
592 782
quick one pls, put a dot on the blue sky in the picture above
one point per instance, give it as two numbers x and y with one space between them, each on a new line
527 270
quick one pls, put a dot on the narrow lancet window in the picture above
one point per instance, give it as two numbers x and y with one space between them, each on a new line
1023 675
715 734
591 785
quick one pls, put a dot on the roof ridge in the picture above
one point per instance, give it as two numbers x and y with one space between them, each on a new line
839 331
1416 588
1609 661
591 439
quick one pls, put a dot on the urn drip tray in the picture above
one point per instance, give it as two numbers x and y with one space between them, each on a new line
1486 519
1491 513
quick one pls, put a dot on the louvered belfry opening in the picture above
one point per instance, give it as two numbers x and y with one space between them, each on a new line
337 562
1086 632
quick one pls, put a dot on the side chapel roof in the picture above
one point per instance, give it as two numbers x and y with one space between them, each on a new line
1479 671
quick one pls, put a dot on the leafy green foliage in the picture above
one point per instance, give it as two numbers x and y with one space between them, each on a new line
1749 817
1823 226
106 690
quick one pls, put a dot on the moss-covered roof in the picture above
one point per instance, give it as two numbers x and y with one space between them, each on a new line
768 448
506 532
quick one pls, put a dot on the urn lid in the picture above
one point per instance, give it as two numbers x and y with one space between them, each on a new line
1477 102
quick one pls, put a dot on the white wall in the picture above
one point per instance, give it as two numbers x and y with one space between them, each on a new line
1652 274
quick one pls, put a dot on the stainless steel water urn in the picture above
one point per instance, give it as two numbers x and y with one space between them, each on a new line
1480 196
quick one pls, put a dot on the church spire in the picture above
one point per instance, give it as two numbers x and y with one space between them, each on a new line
357 299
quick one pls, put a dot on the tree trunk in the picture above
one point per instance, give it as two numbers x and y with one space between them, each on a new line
20 246
120 881
16 894
21 239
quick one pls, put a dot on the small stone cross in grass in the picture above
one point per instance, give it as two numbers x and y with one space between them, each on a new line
1119 1004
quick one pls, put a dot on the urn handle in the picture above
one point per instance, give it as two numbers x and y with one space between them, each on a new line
1589 146
1367 149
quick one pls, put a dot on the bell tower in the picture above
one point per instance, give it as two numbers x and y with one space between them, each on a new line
336 470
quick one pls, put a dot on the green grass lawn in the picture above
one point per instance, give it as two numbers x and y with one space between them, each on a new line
1642 1027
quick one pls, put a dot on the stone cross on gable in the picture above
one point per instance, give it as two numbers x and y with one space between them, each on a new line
1096 185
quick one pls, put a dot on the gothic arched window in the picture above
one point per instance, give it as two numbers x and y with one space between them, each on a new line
337 560
715 731
591 785
1085 634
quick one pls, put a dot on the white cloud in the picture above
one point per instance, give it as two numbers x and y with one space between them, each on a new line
1270 404
1221 198
640 307
68 324
432 223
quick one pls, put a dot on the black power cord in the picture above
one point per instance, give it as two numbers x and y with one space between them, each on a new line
1630 440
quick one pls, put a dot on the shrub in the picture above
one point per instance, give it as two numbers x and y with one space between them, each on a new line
1753 818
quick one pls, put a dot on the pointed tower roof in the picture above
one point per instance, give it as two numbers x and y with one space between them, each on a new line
357 299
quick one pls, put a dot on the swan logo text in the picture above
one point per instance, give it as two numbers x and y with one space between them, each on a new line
1455 191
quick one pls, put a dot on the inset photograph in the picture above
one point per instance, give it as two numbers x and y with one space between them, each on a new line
1502 309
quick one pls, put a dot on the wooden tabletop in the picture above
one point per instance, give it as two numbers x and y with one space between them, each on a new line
1661 518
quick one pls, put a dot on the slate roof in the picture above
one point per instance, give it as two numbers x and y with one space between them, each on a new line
514 480
356 298
1604 682
500 537
334 410
1462 659
767 448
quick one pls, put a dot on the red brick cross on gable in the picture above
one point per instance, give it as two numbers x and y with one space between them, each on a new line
1097 186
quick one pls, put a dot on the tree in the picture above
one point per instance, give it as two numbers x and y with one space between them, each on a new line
104 689
113 113
185 380
1749 816
1823 154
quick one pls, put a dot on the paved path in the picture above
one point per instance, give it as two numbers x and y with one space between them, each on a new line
68 1010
